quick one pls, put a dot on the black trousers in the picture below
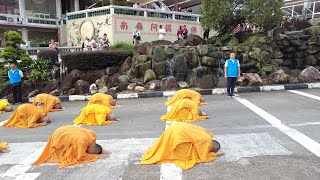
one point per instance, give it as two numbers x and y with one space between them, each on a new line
231 85
17 92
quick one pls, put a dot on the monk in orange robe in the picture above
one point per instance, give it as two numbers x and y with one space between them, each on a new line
184 110
4 148
183 144
103 99
71 145
47 102
5 106
27 116
186 93
95 114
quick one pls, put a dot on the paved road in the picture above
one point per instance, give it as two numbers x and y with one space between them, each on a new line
271 135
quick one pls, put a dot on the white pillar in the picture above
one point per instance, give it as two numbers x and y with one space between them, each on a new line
22 11
58 9
24 34
76 5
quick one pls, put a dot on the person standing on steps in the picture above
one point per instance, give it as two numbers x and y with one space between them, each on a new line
15 80
231 73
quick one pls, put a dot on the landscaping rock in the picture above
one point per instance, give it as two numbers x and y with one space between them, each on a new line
169 83
82 87
309 74
149 75
208 82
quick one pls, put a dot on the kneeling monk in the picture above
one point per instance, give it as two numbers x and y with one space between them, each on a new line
186 93
4 148
47 102
5 106
71 145
185 110
95 114
183 144
27 116
103 99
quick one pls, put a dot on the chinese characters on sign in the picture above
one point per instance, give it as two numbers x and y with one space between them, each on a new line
168 28
139 26
154 27
124 26
194 30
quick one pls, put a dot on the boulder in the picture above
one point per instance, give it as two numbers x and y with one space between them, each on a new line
252 79
113 81
209 61
309 74
180 67
276 55
208 82
140 59
123 79
131 86
194 40
269 68
160 68
113 92
192 57
82 87
159 54
139 89
100 83
112 70
55 92
276 62
154 85
168 83
139 70
180 42
91 78
183 84
203 50
33 93
149 75
265 57
279 77
72 91
169 51
160 43
310 60
126 65
103 90
222 82
27 87
313 49
69 80
51 85
123 86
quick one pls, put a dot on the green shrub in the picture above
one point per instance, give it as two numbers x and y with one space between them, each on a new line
39 71
122 46
25 64
50 55
93 60
14 39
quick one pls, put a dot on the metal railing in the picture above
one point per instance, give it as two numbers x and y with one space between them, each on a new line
130 11
16 19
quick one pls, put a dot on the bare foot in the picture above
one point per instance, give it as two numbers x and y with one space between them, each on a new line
5 150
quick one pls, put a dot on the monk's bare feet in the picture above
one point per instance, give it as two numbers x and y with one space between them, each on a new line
44 123
207 117
204 103
204 114
106 152
118 106
104 156
5 150
220 153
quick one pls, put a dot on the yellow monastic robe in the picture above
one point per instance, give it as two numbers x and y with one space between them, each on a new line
26 116
94 114
185 93
3 104
183 144
183 110
102 99
48 102
67 146
3 145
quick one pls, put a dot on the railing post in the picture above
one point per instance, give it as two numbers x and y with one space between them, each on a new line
174 16
198 19
145 13
111 10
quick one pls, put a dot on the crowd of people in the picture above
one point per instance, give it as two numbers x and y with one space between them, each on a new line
96 44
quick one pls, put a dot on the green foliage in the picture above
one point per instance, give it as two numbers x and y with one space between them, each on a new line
122 46
25 64
3 76
256 40
14 39
39 71
50 55
221 15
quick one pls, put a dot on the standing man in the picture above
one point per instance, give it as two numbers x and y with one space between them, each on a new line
162 33
15 79
231 72
136 36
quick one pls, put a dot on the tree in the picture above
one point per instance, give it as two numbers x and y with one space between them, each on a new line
12 52
222 16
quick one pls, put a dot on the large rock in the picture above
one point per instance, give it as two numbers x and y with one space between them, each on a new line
72 91
208 82
126 65
160 43
310 60
33 93
269 68
169 83
82 87
194 40
159 54
139 89
55 92
103 90
140 59
209 61
203 50
222 82
180 67
276 55
113 81
265 57
279 77
310 74
138 70
153 85
91 78
123 79
27 87
160 68
100 83
169 51
112 70
192 57
149 75
180 42
70 79
252 79
131 86
51 85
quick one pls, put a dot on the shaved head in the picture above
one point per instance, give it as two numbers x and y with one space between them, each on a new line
113 102
112 117
94 149
8 108
215 146
57 106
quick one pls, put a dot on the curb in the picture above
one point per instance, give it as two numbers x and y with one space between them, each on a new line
215 91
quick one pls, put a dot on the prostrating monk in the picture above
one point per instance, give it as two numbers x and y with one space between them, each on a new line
47 102
183 144
4 148
95 114
103 99
5 106
185 110
27 116
186 93
71 145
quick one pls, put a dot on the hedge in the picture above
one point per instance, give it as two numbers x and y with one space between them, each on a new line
93 60
51 55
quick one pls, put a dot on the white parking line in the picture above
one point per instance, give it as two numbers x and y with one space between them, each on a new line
305 124
2 122
305 94
302 139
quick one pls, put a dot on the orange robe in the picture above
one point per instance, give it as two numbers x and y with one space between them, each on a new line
102 99
183 110
48 102
3 104
67 146
3 145
26 116
185 93
94 114
183 144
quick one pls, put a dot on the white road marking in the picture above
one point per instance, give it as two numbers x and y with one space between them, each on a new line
305 124
272 88
127 96
305 94
3 122
302 139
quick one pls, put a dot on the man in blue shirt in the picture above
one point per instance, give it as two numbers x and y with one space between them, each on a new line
231 72
15 79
